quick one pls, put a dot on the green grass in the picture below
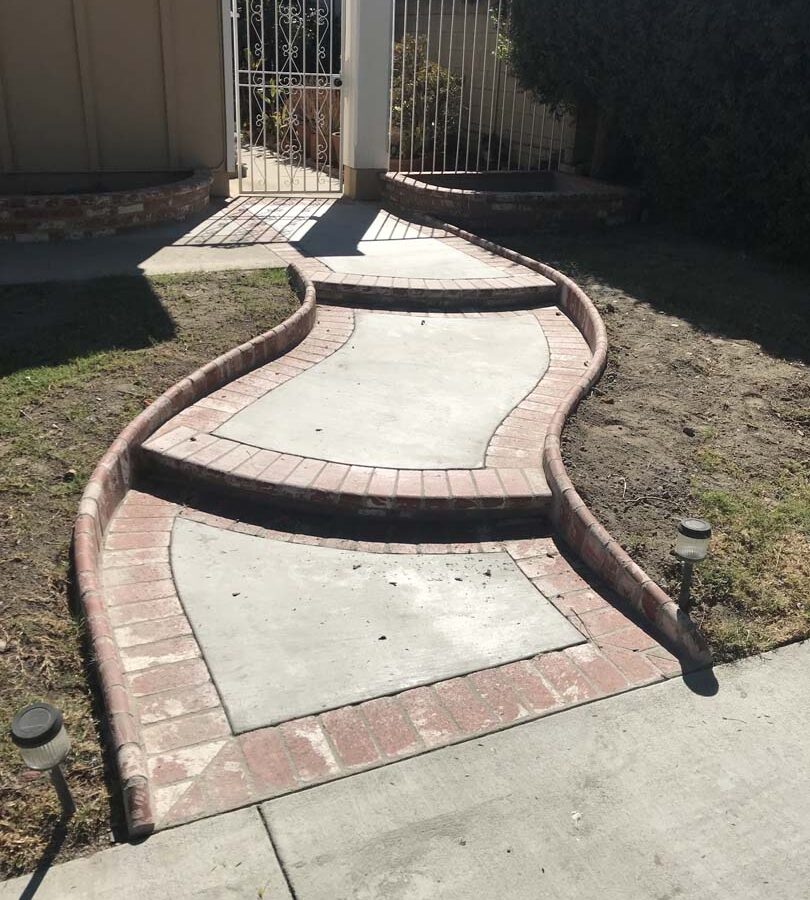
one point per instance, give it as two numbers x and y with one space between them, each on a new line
754 587
77 362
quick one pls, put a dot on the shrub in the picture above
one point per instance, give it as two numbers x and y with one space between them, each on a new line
425 118
708 99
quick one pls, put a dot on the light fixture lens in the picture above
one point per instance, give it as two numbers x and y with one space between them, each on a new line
692 542
39 733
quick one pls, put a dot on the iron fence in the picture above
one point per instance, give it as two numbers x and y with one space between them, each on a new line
455 104
287 65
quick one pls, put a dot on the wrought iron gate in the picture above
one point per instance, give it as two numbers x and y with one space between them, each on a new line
288 98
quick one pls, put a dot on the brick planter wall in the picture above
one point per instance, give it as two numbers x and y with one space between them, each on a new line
45 217
573 203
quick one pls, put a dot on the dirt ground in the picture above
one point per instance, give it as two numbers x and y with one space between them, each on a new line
77 362
704 410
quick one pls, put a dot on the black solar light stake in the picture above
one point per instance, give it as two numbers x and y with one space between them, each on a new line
691 546
38 732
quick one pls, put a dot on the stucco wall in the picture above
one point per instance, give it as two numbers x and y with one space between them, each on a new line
112 86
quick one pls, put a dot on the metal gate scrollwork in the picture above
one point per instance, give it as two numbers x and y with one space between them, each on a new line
288 96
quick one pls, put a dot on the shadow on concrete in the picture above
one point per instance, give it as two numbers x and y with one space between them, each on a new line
52 323
118 254
717 289
338 227
236 234
702 682
49 854
225 235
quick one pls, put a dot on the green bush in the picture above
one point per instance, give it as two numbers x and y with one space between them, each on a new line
709 100
425 116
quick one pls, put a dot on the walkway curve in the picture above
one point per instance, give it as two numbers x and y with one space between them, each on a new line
113 478
570 514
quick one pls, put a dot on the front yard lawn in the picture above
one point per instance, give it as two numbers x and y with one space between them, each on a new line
77 362
704 410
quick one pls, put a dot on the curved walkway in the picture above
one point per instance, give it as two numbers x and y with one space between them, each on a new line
470 439
403 590
222 669
394 411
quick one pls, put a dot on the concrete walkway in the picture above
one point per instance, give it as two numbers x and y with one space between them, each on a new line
406 392
674 791
204 243
374 575
263 648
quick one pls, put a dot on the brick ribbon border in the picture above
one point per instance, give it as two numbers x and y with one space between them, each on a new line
106 488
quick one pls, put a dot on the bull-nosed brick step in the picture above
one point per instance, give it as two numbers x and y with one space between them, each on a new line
507 284
434 295
511 481
300 483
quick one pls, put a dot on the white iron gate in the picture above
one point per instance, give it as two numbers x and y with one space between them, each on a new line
287 77
455 106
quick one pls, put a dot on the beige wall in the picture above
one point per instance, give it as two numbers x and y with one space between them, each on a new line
111 86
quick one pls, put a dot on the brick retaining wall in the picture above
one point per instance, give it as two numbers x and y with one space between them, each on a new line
581 203
46 217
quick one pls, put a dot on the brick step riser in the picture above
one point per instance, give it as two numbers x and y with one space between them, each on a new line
159 467
481 299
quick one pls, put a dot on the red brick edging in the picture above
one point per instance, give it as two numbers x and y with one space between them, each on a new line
569 513
45 217
104 491
511 481
199 767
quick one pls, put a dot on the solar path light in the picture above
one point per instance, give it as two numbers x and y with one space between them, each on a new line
38 732
691 546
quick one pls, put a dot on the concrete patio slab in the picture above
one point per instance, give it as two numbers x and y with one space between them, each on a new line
659 793
405 392
228 856
291 629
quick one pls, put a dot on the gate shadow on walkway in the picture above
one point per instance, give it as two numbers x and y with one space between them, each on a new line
317 226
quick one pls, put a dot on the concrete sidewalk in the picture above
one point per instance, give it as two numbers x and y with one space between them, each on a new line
226 857
659 793
202 244
669 791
